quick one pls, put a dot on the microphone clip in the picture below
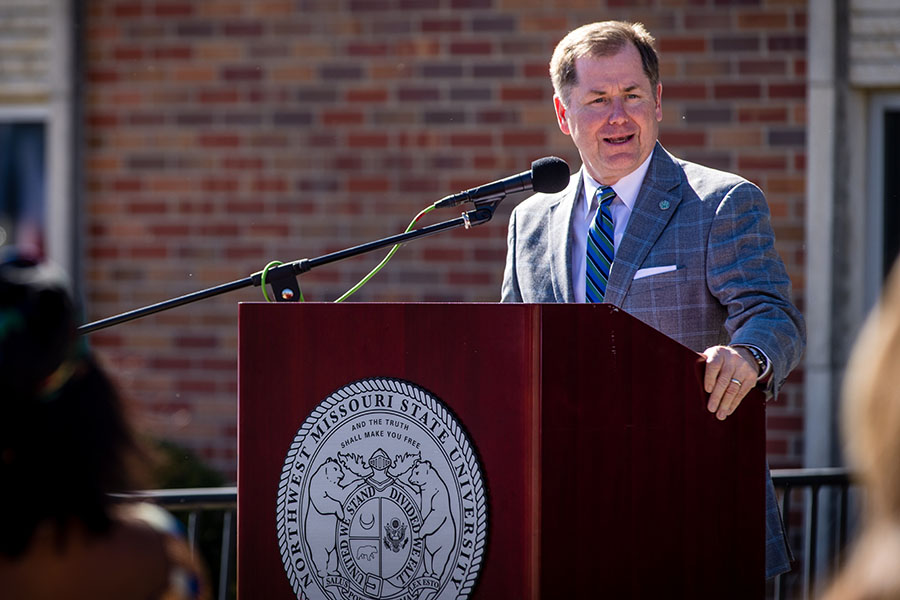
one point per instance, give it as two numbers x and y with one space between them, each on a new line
481 214
463 197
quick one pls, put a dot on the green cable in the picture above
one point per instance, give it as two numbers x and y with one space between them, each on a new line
384 261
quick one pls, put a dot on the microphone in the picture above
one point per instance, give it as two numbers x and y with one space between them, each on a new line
549 174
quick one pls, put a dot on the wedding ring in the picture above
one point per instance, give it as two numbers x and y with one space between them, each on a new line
737 381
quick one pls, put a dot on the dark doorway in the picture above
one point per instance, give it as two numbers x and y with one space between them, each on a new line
891 224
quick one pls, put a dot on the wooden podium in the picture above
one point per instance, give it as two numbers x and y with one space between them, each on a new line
606 476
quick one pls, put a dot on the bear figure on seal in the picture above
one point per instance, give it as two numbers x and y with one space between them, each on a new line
326 500
438 528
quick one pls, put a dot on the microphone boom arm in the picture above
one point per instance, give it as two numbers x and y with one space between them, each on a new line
283 278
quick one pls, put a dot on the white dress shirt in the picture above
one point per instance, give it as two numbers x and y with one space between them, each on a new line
626 190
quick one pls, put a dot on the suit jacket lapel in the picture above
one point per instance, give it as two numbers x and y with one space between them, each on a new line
655 204
560 240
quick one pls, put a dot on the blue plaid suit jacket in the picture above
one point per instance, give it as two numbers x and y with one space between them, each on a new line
728 286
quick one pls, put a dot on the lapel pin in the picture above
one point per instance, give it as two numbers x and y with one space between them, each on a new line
664 205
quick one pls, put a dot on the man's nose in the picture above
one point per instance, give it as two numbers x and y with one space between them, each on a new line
617 113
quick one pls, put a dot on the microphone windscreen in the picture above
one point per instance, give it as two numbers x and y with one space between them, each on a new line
549 175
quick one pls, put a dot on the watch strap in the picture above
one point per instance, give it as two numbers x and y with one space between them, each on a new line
762 361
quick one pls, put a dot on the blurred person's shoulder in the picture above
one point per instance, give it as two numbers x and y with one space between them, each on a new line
127 562
143 555
185 576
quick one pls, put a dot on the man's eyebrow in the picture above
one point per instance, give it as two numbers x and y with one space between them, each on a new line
629 88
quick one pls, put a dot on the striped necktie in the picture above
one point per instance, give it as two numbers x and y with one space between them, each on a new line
600 247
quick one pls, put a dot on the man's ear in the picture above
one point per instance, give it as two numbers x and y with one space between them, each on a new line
561 115
659 101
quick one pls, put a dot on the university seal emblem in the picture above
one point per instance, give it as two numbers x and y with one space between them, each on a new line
381 497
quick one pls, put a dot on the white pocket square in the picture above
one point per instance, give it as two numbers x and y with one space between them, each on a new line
641 273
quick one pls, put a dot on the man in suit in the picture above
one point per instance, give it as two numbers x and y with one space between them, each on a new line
685 248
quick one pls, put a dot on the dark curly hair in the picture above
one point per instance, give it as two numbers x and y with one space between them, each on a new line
65 443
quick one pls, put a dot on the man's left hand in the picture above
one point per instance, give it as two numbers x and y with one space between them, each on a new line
730 374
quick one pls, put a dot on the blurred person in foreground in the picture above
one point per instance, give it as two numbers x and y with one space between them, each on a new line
685 248
871 425
65 447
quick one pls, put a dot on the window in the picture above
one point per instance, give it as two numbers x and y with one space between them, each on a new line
37 183
23 186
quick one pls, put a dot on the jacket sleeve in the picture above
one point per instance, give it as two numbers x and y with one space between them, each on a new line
746 274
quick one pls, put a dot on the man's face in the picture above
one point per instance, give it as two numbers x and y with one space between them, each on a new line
612 114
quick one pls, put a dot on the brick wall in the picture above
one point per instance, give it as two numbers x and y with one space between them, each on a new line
223 134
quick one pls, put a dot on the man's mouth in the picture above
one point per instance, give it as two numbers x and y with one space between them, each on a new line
622 139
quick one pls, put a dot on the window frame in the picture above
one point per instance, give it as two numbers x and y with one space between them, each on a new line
57 115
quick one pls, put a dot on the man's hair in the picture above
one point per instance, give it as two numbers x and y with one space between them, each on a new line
605 38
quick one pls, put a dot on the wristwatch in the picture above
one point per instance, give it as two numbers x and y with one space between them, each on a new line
762 362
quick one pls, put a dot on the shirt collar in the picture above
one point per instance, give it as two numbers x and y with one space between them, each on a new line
626 188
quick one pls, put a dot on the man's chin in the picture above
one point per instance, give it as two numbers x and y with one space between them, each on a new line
621 163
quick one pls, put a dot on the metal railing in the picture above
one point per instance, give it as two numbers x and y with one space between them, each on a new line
824 513
196 505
